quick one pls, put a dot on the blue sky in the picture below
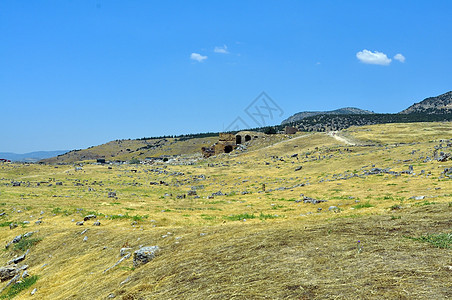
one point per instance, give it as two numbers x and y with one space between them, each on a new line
75 74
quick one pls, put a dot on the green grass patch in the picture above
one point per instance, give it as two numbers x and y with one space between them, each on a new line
395 207
424 203
240 217
263 216
15 289
56 210
5 224
283 199
362 205
217 202
208 217
26 243
441 240
277 206
127 216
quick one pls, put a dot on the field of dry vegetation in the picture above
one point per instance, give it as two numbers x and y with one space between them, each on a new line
366 215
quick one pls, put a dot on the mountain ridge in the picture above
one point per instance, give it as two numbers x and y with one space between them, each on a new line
341 111
441 104
31 156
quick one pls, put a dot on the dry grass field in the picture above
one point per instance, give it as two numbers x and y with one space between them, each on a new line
384 230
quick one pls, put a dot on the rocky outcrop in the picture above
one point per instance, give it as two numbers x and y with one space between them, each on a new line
144 255
341 111
441 104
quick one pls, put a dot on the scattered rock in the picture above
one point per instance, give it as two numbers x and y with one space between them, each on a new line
299 168
118 262
144 255
7 272
125 281
442 157
80 223
85 239
17 259
312 200
33 291
111 194
17 239
124 251
219 193
96 223
333 208
28 234
89 217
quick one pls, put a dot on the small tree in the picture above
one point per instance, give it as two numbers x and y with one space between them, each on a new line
270 130
134 161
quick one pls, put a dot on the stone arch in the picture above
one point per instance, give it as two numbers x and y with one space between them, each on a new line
228 149
238 139
247 138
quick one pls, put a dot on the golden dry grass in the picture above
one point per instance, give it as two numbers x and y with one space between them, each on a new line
285 249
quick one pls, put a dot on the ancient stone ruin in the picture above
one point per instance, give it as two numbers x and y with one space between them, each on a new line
291 130
227 142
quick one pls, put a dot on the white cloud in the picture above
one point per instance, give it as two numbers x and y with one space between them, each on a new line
223 50
374 58
198 57
399 57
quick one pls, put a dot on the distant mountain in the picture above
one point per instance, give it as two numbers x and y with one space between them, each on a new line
341 111
441 104
32 156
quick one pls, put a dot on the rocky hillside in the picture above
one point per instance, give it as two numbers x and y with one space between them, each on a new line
441 104
323 123
341 111
125 150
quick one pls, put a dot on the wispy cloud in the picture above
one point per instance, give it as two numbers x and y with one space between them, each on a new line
223 50
373 58
399 57
198 57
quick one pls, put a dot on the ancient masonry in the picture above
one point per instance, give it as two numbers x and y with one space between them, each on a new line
228 142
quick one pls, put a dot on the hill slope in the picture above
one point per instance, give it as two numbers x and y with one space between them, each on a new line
441 104
341 111
124 150
32 156
249 228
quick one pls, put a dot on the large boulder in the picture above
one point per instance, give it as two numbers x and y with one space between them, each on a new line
7 272
144 255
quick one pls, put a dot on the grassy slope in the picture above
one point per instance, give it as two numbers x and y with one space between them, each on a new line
289 250
127 149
